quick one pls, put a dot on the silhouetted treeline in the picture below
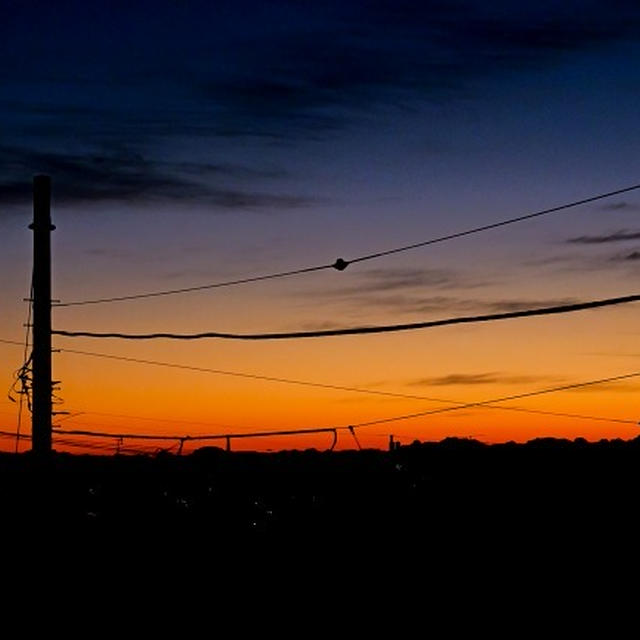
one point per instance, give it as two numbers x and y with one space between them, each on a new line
455 491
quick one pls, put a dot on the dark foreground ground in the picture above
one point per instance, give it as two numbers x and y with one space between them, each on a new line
456 492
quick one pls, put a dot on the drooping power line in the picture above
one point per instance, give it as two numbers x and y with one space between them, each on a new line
350 428
215 285
411 326
341 264
219 436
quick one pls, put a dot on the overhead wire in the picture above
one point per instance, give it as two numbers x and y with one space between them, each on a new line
517 396
251 376
341 264
68 442
306 383
353 426
87 412
495 225
22 374
73 443
458 406
19 344
187 438
12 434
215 285
349 331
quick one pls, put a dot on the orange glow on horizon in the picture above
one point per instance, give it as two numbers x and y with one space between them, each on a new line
453 364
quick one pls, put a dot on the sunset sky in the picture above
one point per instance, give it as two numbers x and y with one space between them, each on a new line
195 142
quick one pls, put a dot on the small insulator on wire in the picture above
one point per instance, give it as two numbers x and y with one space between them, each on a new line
340 264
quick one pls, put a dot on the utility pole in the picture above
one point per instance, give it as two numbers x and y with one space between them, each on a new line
42 384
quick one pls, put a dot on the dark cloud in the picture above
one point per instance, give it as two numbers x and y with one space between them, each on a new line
620 258
398 290
407 303
553 261
366 55
387 286
552 27
467 379
616 236
277 69
226 170
505 306
317 326
108 252
620 206
124 175
580 263
381 280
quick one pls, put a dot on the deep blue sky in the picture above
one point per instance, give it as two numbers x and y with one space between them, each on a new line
195 141
337 127
205 101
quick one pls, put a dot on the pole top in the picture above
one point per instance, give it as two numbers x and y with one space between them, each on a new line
41 204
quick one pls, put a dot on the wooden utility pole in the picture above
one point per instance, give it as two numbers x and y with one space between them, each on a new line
42 385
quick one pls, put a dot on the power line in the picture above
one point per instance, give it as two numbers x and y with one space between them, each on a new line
136 417
566 308
67 442
308 383
341 264
252 376
215 285
459 404
24 361
19 344
305 383
12 434
187 438
560 414
350 428
495 225
529 394
75 443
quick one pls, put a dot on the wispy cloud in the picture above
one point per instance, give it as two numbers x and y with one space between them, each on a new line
472 379
402 279
620 259
499 306
357 54
620 206
317 326
226 170
400 286
406 298
616 236
417 295
125 175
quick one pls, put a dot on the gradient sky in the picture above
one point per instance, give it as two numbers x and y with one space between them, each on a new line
194 142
